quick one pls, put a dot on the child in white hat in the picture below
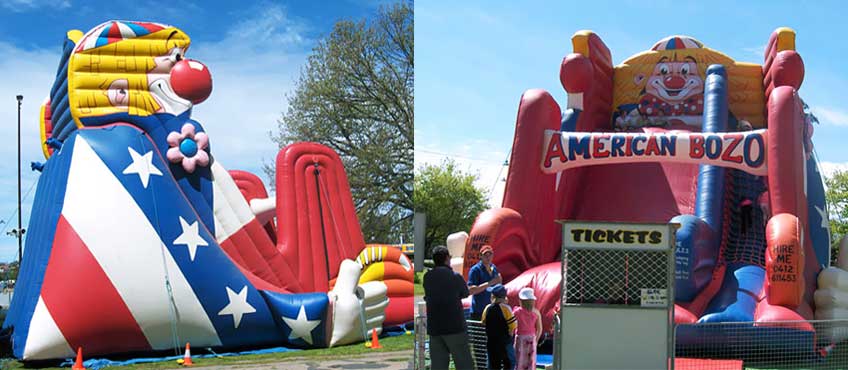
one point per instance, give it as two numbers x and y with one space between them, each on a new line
529 330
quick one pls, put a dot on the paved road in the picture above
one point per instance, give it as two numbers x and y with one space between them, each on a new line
401 360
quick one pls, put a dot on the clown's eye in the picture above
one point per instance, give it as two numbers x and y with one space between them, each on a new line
664 69
685 69
175 56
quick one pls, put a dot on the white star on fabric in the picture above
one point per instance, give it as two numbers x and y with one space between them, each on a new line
238 305
301 327
190 237
142 165
824 223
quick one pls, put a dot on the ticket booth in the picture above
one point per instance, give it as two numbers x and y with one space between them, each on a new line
617 296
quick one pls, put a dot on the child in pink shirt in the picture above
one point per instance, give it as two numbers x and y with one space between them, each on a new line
529 330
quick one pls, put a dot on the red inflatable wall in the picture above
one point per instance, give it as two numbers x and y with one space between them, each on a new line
299 217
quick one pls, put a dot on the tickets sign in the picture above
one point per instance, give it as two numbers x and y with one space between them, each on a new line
741 150
606 235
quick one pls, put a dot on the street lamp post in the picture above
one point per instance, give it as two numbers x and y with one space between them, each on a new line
20 231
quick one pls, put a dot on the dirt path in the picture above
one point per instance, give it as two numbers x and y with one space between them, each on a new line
401 360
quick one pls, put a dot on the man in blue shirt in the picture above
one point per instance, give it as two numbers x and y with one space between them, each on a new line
481 276
443 292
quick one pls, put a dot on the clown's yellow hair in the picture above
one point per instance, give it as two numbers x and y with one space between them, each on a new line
92 71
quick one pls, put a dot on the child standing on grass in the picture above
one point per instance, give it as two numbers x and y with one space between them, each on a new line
529 330
500 327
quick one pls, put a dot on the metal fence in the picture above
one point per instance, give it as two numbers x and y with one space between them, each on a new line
716 346
476 338
613 276
775 345
477 341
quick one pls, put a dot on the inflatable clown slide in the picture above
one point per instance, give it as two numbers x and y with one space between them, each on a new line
140 240
678 133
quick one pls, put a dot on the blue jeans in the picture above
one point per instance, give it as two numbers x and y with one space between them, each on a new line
510 353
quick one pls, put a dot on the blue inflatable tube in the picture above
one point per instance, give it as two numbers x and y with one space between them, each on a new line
699 236
709 206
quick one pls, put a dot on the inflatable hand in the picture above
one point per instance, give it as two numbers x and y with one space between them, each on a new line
356 309
456 247
390 267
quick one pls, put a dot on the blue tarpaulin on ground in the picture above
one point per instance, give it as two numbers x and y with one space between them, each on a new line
99 363
544 359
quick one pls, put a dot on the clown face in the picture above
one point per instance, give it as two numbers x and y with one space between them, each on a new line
675 81
176 82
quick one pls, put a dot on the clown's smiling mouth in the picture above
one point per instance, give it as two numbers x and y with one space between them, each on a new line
673 92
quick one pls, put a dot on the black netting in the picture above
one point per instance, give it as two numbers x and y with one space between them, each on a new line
748 245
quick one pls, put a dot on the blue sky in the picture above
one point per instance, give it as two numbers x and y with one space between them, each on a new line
254 51
475 59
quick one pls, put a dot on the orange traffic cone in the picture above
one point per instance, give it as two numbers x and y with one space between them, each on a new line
187 356
78 363
375 341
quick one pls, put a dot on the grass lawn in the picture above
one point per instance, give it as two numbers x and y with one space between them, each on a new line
390 344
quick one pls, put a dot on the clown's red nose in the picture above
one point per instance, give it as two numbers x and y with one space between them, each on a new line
675 82
191 80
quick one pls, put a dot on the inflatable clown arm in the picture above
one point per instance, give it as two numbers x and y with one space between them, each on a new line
586 75
507 232
262 206
388 266
456 247
782 65
264 209
355 308
831 297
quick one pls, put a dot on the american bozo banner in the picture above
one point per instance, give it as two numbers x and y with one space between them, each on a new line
741 150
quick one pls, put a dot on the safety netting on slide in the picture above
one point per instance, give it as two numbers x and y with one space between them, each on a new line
140 240
684 134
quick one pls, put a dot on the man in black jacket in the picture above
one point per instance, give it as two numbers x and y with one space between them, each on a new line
443 292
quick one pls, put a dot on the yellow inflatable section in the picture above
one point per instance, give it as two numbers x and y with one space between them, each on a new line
112 68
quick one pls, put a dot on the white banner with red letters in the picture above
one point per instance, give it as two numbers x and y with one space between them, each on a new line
741 150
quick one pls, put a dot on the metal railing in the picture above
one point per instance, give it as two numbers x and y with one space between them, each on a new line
477 342
819 344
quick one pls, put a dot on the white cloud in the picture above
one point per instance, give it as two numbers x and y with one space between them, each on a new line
757 51
828 168
21 6
832 116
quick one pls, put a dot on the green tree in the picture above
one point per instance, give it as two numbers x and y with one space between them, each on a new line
450 200
837 206
355 95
